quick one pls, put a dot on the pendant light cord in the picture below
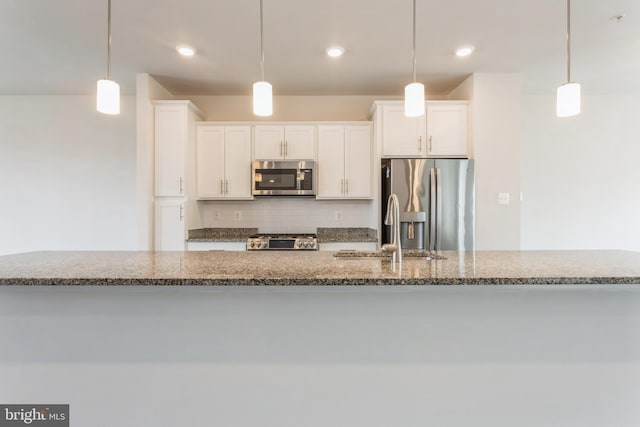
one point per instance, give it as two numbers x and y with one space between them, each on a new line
109 42
568 41
261 44
414 41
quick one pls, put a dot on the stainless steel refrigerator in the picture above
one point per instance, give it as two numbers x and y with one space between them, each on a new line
437 202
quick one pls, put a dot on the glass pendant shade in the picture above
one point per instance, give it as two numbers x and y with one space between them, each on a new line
414 100
568 101
108 99
262 99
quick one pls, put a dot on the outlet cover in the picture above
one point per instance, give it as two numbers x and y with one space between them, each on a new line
237 215
338 215
503 198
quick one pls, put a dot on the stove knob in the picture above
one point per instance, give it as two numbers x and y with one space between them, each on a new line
251 244
312 244
306 244
299 244
261 245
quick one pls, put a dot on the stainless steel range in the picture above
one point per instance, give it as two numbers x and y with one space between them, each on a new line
282 242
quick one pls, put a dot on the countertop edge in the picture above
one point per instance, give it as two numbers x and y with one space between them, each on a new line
324 282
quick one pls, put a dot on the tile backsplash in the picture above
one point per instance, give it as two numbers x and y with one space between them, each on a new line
285 214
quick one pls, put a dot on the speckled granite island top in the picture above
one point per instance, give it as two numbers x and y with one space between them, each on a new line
317 268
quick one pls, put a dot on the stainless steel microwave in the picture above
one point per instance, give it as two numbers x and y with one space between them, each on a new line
283 178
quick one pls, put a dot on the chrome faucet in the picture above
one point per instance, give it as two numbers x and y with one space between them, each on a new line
393 218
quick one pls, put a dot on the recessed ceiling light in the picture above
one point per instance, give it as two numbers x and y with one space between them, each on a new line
465 51
186 50
335 51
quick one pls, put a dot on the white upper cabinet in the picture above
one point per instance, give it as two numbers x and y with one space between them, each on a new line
223 162
174 125
275 142
447 129
344 162
402 136
441 132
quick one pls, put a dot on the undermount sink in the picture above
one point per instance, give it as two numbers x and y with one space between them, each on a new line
409 253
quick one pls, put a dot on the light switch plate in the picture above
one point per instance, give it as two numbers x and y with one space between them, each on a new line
503 198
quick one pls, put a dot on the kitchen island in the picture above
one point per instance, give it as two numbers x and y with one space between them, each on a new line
284 339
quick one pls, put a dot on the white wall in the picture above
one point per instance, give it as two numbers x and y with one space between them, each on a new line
147 90
580 176
495 124
67 174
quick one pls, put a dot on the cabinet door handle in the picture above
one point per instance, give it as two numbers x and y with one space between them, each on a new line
221 187
226 186
430 144
420 144
181 185
342 186
286 148
281 148
346 184
181 212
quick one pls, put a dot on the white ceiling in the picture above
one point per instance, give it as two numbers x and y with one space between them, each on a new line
59 46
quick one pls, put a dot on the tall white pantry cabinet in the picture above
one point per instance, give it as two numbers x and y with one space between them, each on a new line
174 136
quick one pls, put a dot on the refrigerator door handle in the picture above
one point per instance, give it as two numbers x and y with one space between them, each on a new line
439 207
432 204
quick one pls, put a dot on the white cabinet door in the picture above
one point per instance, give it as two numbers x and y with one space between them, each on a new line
237 162
170 228
402 136
358 176
210 161
170 147
273 142
269 142
223 162
447 129
344 162
299 142
330 162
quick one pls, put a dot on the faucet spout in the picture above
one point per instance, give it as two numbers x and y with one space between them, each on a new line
392 218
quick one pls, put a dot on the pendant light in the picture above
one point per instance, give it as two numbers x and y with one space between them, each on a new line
108 95
262 90
568 95
414 92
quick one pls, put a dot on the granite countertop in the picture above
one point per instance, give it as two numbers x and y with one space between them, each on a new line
325 235
221 234
279 268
